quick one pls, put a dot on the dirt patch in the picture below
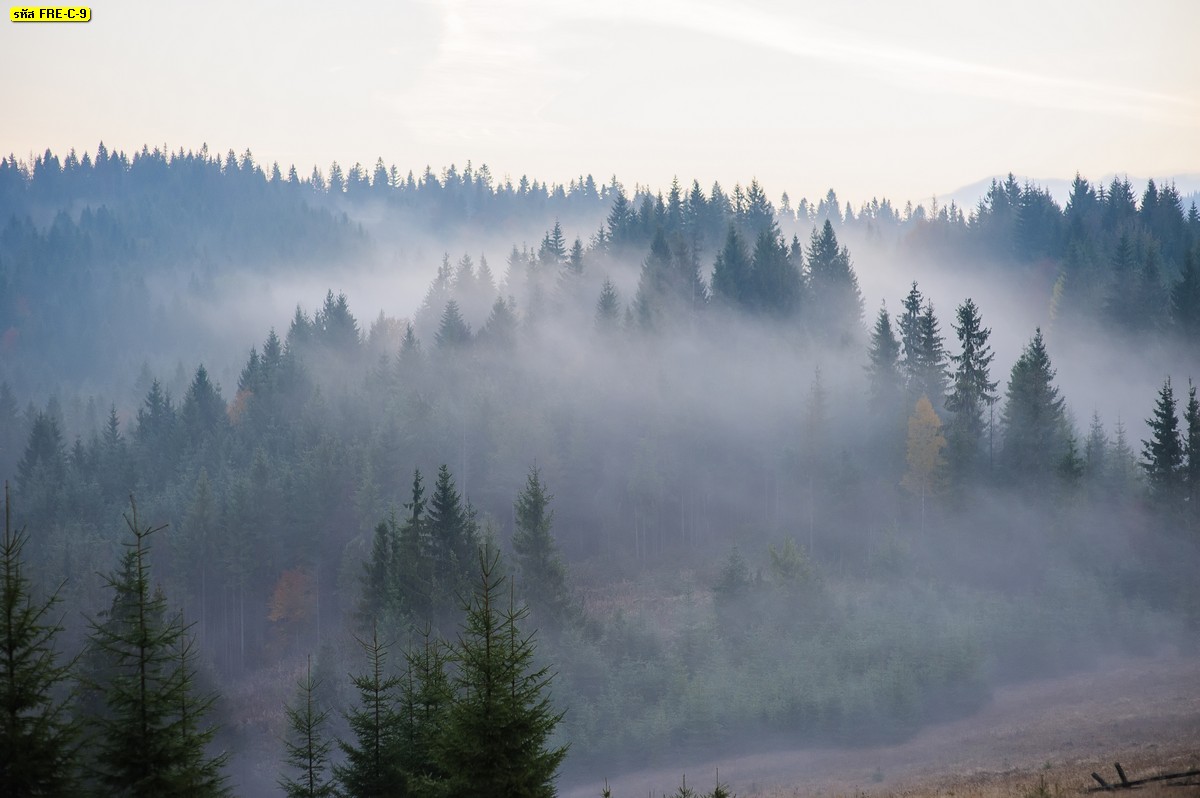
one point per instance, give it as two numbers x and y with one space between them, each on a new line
1143 713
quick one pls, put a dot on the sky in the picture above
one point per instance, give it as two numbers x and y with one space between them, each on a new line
873 99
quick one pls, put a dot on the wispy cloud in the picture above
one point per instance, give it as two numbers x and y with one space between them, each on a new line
912 68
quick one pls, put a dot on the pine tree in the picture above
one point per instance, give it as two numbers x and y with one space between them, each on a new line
775 285
909 324
608 308
1163 454
1191 449
453 535
497 732
152 740
883 370
453 333
306 747
1185 298
972 391
1034 417
731 272
38 738
543 575
930 361
426 696
372 767
835 307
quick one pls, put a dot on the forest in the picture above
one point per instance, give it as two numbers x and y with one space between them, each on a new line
361 483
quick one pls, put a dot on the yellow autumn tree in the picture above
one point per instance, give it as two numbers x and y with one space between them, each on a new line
925 444
293 603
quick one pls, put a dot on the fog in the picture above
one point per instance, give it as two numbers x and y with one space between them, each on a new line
760 552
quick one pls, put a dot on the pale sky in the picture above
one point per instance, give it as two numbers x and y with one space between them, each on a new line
885 98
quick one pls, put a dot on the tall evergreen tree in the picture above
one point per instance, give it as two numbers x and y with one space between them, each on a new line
731 272
152 739
1163 454
775 286
883 369
972 391
927 364
426 696
453 535
497 732
834 308
38 737
307 749
372 766
1034 417
608 308
453 332
543 575
1185 298
1191 449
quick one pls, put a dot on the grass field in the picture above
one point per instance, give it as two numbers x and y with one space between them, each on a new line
1040 738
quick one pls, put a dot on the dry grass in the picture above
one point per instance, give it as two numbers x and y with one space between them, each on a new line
1041 739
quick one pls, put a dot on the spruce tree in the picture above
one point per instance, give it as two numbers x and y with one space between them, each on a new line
1185 298
152 739
1163 454
608 308
496 740
834 308
543 575
1034 417
1191 449
731 272
971 393
372 766
306 747
38 737
453 332
883 370
453 535
426 696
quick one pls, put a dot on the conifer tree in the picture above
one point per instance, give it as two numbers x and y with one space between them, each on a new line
1185 298
453 332
1163 454
1034 417
38 737
775 285
372 767
835 306
152 739
1191 449
543 575
306 747
426 696
731 272
972 391
453 535
608 308
883 370
497 732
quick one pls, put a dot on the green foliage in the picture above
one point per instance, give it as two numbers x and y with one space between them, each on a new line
306 747
972 392
372 765
543 575
497 732
38 737
834 306
1035 423
1163 454
152 739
